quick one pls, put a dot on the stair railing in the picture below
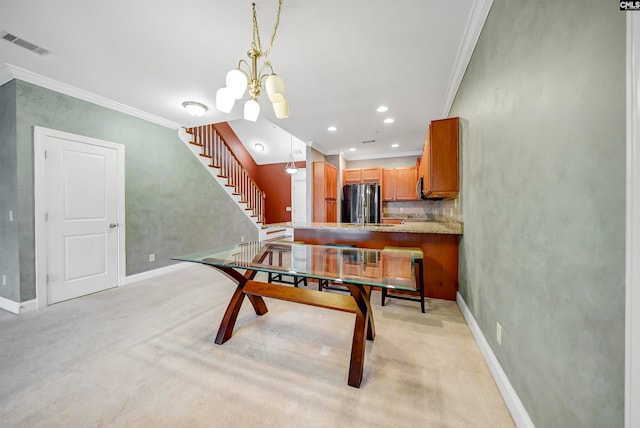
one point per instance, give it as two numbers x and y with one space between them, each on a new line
213 146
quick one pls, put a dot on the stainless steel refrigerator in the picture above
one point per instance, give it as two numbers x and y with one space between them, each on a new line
361 203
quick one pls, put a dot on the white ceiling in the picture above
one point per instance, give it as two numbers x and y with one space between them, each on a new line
339 59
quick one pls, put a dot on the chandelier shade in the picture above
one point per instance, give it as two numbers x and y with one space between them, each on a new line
224 100
236 83
281 109
251 110
247 76
275 88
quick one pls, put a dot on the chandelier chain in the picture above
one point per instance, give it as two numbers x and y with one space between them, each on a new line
256 33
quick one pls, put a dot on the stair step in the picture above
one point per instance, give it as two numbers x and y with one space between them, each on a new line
205 155
196 144
223 176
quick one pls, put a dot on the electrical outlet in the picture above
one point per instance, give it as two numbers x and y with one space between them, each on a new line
152 257
4 280
499 333
10 215
401 209
242 239
288 209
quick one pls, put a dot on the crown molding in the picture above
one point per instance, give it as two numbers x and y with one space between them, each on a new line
9 72
477 17
349 157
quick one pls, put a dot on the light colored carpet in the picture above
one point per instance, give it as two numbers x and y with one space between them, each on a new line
143 355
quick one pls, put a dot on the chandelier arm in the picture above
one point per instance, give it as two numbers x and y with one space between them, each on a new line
247 75
265 65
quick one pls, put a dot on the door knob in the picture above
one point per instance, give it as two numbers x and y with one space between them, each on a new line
113 225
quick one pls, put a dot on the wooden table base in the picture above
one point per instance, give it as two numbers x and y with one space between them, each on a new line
358 303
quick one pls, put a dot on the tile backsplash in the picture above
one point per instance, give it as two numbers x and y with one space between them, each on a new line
436 209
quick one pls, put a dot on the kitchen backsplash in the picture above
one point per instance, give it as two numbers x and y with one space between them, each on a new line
428 209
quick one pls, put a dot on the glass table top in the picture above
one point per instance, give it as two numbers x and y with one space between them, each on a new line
380 268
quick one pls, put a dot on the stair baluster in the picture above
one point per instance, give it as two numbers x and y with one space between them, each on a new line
222 158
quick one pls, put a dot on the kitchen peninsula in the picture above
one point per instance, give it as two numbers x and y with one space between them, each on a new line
437 239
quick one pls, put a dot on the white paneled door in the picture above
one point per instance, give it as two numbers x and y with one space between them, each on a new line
299 196
81 216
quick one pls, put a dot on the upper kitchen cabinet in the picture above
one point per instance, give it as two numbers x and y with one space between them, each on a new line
325 192
362 175
439 166
399 184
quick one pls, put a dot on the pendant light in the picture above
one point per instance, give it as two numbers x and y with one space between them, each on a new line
290 167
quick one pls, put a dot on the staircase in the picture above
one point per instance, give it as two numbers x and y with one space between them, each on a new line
212 147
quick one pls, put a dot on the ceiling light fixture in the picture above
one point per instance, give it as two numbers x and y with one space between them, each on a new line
332 128
352 149
394 145
259 147
194 108
290 167
382 109
238 80
388 120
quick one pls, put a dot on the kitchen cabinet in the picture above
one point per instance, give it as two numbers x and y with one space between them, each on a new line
325 191
362 175
399 184
440 163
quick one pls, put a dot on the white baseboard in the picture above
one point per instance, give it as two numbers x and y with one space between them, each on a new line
18 307
155 272
518 412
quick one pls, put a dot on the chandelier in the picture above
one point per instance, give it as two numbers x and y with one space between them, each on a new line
238 80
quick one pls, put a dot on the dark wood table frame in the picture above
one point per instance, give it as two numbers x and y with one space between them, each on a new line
358 302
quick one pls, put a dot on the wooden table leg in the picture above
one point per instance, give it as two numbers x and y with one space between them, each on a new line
364 329
231 314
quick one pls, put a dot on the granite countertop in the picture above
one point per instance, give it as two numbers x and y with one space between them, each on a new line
443 226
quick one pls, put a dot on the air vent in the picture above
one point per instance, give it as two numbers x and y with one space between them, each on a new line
368 141
23 43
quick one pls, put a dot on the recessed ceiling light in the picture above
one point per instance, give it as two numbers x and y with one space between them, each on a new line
382 109
352 149
259 147
332 128
194 108
388 120
394 145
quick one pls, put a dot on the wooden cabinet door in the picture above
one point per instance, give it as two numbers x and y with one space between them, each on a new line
351 176
388 184
405 184
425 163
371 175
318 185
444 158
324 189
331 177
331 211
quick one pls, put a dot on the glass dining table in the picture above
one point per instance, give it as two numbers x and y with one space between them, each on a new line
355 270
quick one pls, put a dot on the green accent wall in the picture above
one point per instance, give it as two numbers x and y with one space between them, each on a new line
9 233
543 185
173 205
